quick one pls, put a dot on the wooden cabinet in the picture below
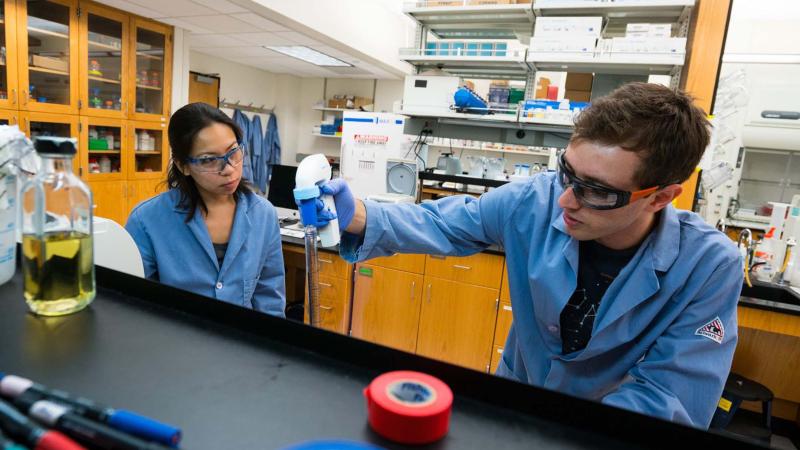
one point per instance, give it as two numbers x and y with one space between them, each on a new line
47 55
504 318
110 200
9 117
333 300
386 306
151 45
46 124
482 269
140 190
104 61
102 148
457 322
9 86
335 287
497 355
150 156
404 262
505 291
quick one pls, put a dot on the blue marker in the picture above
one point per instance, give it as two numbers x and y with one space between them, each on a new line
13 386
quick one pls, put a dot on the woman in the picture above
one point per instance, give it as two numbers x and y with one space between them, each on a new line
210 233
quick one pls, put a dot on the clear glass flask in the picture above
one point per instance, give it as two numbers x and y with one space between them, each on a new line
56 218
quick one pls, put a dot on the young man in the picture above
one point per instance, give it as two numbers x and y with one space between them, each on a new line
617 296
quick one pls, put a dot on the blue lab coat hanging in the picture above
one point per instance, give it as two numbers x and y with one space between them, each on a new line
257 156
244 124
272 146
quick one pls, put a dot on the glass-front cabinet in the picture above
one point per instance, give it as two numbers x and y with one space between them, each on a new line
9 117
152 69
103 147
104 59
35 124
48 50
150 154
9 91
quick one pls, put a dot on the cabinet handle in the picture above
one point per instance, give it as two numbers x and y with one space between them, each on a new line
413 288
25 97
429 293
437 256
326 308
14 96
459 266
27 127
325 260
324 284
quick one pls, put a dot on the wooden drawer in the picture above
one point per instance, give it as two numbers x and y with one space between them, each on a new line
404 262
333 304
505 292
482 269
332 265
497 355
504 317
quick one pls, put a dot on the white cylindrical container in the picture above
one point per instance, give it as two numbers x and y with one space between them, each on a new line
8 234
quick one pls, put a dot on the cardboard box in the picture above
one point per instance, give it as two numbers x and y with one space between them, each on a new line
577 96
563 44
359 102
579 81
541 88
572 26
523 1
49 63
337 102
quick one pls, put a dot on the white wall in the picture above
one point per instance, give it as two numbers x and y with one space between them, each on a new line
290 97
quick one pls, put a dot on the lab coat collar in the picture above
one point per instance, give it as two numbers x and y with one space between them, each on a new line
637 282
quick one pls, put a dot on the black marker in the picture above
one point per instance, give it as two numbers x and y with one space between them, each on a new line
8 444
13 386
23 429
93 434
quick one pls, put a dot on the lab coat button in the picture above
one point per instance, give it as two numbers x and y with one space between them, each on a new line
219 285
552 328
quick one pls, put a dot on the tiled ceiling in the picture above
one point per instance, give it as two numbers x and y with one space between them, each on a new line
228 30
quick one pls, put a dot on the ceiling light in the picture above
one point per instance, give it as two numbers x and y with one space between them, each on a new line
309 55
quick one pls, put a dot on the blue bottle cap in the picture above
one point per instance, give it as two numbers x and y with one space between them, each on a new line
332 445
145 427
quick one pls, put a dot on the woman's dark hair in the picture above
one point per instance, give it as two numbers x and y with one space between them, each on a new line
184 126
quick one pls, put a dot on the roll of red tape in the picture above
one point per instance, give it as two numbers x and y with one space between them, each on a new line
409 407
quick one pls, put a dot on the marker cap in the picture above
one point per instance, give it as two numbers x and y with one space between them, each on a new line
145 427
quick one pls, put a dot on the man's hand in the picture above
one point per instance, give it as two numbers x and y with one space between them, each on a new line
351 212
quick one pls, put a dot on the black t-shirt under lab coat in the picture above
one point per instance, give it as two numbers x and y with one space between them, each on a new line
598 266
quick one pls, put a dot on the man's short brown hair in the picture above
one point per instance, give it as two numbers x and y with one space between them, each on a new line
664 127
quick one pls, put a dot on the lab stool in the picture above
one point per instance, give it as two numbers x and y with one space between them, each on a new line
737 390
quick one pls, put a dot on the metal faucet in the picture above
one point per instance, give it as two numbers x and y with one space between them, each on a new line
746 238
721 226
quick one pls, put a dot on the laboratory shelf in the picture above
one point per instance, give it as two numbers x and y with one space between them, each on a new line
466 21
610 63
511 65
646 11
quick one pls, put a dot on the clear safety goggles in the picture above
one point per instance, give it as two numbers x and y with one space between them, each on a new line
234 157
594 196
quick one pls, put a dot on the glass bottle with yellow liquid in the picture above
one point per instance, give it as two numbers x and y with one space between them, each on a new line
57 251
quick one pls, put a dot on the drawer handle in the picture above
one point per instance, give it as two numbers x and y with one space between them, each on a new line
437 257
326 308
325 260
506 308
14 96
429 293
413 288
325 284
459 266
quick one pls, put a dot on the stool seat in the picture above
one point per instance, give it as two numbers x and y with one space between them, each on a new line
747 389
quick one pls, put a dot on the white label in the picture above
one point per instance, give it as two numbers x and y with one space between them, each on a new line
12 385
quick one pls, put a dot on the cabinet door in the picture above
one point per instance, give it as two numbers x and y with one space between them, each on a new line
482 269
140 190
47 43
405 262
9 89
102 149
386 306
60 125
504 318
457 323
104 61
9 117
505 291
110 200
151 71
334 296
150 155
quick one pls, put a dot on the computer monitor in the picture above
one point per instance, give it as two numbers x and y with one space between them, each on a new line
281 187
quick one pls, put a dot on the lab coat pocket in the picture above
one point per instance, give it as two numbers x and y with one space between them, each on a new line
249 289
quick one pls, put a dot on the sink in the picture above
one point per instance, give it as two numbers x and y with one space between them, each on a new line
771 295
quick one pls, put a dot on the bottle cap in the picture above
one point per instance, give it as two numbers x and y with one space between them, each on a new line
50 145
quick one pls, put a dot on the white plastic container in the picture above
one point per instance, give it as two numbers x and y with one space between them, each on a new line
8 234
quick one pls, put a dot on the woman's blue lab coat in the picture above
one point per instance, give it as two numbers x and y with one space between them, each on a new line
180 254
665 332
